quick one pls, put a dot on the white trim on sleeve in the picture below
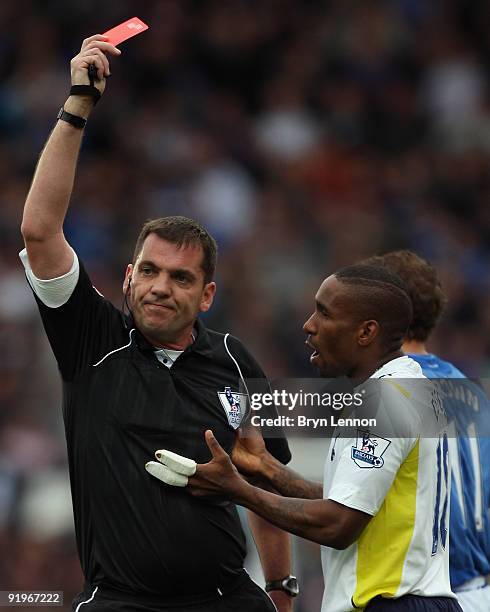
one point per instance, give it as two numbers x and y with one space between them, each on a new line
53 292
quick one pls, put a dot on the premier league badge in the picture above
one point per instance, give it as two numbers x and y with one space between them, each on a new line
369 450
234 405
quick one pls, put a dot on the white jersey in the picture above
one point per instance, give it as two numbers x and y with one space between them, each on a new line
403 483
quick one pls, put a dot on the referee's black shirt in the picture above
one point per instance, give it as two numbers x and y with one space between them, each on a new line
120 404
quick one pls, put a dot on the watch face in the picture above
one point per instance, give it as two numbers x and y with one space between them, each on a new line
291 585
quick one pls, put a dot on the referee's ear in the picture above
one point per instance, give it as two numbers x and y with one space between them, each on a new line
207 296
127 279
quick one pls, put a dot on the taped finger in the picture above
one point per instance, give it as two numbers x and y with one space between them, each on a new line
166 475
177 463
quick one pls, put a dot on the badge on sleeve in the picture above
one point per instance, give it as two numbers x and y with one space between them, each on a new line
369 450
234 404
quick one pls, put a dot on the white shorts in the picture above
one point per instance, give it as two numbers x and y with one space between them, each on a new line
475 600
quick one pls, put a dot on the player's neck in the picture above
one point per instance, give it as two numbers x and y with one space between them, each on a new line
415 347
367 369
179 343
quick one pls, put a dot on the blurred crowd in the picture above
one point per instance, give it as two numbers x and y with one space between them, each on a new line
304 135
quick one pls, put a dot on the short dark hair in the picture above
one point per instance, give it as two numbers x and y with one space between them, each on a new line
182 232
424 289
382 296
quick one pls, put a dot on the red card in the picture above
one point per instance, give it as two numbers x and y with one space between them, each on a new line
125 30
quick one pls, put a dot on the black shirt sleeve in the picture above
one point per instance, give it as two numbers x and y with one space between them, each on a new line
83 329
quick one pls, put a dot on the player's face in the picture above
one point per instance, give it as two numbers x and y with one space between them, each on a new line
332 331
167 291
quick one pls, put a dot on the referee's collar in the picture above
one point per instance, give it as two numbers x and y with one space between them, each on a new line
201 344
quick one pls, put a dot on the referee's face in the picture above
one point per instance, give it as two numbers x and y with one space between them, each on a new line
166 291
333 331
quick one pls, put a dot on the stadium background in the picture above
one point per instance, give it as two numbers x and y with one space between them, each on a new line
305 135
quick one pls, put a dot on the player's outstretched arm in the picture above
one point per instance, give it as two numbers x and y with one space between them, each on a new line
50 192
253 460
319 520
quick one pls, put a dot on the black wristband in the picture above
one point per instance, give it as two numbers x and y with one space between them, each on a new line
74 120
85 90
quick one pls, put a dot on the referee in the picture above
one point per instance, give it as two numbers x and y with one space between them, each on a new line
156 378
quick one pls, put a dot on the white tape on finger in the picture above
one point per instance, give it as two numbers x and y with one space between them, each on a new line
166 475
177 463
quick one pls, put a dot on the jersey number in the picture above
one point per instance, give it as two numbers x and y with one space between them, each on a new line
474 457
439 528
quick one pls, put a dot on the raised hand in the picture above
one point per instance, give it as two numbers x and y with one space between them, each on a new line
94 51
219 477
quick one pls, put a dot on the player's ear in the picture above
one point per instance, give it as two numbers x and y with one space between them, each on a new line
367 332
127 279
207 296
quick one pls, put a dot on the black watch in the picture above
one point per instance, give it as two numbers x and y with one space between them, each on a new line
74 120
289 584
